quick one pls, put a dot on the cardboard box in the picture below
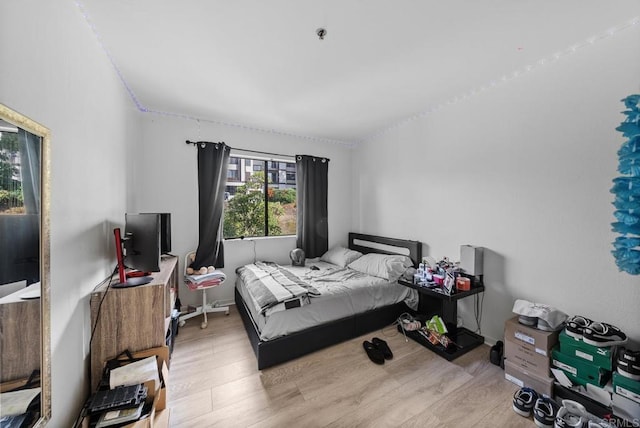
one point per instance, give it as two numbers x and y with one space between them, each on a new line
156 394
524 356
626 387
162 353
579 368
541 341
597 355
156 418
541 384
150 421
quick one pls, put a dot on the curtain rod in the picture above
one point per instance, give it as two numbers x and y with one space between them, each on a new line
242 150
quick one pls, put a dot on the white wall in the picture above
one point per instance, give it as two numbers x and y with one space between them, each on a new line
53 71
524 170
166 181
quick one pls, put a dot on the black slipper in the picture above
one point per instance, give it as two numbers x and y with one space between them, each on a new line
382 346
374 353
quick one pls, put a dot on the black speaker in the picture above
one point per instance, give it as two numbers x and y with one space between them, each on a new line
165 233
495 356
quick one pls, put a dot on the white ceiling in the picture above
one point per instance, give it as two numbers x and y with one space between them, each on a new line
259 64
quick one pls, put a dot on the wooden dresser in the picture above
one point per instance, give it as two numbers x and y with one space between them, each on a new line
135 318
20 331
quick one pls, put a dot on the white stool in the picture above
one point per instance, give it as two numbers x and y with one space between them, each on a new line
206 307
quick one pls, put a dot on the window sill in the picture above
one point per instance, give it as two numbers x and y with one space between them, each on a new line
260 238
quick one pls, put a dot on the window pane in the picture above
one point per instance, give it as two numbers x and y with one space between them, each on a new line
233 175
282 200
245 198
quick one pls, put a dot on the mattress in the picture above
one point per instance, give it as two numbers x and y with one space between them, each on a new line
343 292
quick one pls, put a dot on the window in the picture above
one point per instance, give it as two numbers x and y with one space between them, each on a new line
233 172
255 208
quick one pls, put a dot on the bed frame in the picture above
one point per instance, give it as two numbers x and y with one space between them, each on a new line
276 351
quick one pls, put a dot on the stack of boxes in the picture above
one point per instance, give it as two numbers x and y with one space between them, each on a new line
585 364
527 354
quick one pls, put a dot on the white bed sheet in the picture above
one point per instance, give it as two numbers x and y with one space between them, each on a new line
344 292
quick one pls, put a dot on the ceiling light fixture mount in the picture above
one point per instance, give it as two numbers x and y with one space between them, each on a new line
321 32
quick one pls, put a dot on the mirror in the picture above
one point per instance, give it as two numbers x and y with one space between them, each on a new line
24 271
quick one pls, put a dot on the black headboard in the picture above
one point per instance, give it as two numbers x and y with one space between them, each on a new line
414 247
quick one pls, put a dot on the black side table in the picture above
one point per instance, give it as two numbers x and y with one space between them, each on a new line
446 306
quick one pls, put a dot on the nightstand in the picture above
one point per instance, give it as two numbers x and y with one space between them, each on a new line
435 303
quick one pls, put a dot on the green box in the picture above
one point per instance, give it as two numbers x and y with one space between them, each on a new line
598 355
583 382
579 368
575 379
626 387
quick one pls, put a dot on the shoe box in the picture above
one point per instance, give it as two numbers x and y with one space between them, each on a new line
597 355
626 387
583 363
540 341
522 377
528 348
579 368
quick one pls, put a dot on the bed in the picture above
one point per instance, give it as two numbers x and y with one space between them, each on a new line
282 335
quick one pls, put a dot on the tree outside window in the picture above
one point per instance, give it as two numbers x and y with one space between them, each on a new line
256 208
11 199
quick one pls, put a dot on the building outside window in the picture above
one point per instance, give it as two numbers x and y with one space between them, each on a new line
255 208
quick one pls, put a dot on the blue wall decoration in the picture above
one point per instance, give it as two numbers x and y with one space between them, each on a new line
626 187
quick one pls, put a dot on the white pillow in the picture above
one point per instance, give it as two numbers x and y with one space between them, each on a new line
386 266
340 256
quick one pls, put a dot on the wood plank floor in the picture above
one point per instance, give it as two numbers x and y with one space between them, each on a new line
214 382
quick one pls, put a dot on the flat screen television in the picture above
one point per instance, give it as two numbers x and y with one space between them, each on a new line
142 242
146 237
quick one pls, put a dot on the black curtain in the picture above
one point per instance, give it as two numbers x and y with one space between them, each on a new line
311 186
213 162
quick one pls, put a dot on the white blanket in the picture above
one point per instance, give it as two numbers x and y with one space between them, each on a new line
273 288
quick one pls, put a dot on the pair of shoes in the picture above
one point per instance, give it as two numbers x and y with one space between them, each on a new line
629 364
571 415
377 350
593 332
527 401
